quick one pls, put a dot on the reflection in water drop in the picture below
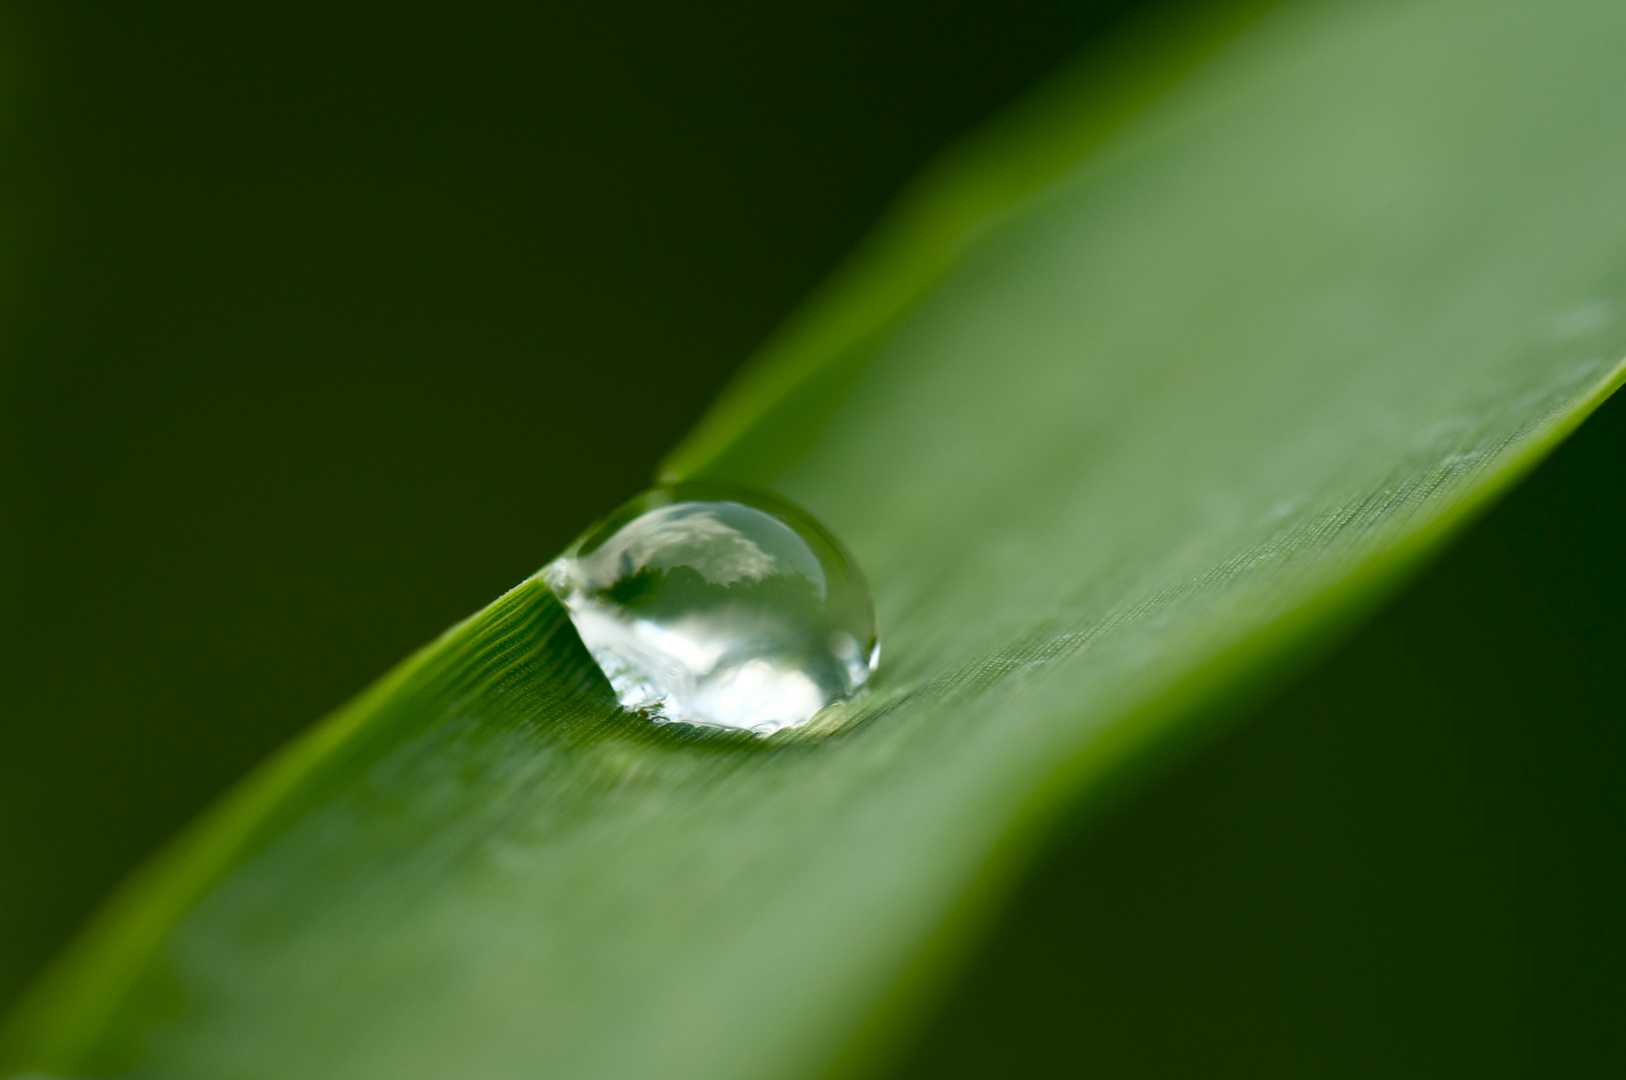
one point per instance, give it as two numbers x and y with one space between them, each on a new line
715 605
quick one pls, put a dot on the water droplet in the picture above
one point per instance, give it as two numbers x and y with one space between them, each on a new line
716 605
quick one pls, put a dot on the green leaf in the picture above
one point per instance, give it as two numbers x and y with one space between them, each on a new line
1154 389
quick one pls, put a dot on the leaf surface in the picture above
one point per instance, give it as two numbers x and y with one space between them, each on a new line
1224 353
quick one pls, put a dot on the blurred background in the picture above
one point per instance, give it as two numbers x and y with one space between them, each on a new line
323 324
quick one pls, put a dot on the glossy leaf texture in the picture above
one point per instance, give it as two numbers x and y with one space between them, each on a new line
1142 395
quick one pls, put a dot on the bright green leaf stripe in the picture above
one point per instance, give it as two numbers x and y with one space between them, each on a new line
1195 399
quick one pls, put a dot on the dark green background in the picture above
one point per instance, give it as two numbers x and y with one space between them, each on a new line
323 324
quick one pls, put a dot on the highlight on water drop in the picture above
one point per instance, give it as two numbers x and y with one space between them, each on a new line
720 606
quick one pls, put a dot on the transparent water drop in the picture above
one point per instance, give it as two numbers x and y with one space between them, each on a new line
716 605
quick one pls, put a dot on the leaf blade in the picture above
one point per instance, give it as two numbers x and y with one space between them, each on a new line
1203 394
